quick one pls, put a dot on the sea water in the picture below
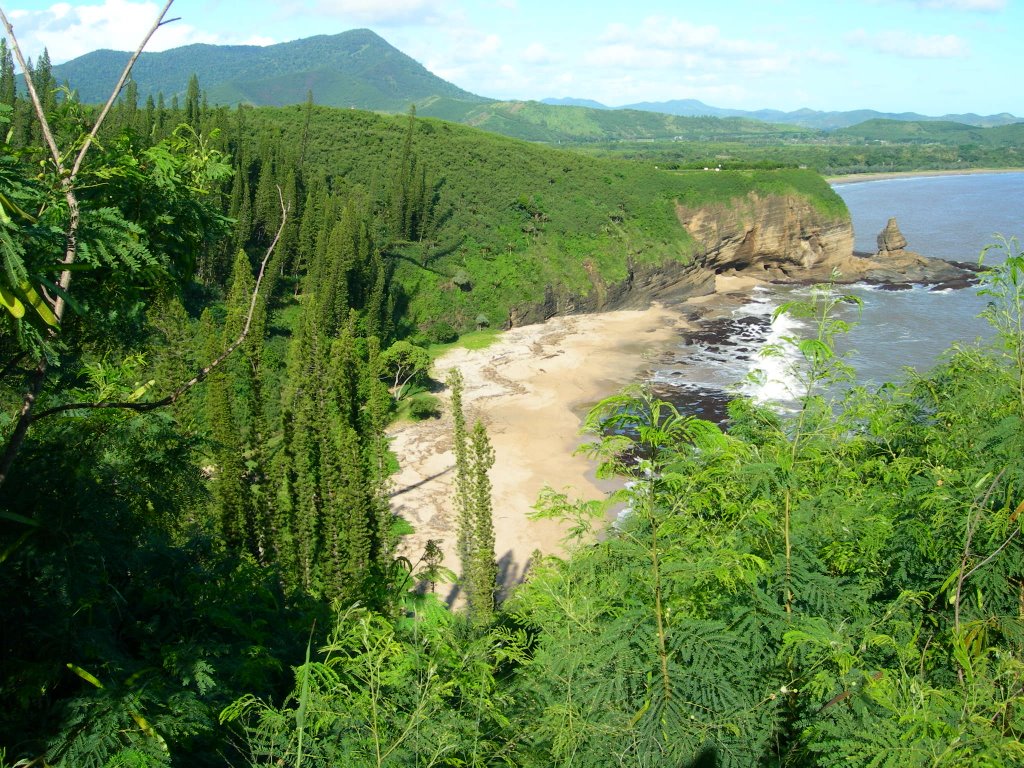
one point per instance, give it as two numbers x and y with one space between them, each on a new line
952 217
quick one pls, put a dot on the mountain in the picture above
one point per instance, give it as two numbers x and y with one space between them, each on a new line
946 132
806 118
811 118
536 121
362 70
352 69
590 103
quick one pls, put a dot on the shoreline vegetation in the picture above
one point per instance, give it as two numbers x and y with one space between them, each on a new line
531 388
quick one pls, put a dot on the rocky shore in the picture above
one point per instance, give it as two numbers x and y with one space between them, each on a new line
533 386
775 239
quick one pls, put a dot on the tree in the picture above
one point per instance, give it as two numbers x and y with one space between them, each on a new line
404 362
64 187
7 88
460 438
481 573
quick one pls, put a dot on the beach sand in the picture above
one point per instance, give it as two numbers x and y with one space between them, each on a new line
853 178
531 389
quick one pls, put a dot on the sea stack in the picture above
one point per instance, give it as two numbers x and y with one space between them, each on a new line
890 239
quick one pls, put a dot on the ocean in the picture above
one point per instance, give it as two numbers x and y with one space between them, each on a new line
952 217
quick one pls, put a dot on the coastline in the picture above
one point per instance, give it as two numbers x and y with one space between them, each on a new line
530 388
853 178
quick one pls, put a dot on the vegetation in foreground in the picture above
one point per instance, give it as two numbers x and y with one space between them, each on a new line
213 581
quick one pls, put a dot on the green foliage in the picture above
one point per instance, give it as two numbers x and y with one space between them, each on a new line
519 224
861 557
416 692
841 585
424 406
479 569
1003 284
441 333
404 363
351 69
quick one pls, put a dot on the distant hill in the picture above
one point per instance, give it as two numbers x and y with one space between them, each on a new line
589 103
934 131
362 70
535 121
807 118
352 69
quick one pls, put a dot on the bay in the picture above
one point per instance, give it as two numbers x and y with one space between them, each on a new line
952 217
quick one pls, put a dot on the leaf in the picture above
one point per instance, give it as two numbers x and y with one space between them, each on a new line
14 517
813 349
401 527
11 303
7 203
87 676
39 304
139 392
149 730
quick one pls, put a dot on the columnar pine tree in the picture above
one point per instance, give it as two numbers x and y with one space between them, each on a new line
7 89
463 510
193 112
482 571
227 484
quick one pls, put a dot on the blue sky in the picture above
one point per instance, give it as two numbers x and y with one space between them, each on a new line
928 56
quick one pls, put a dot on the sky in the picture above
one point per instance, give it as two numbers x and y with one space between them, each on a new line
933 57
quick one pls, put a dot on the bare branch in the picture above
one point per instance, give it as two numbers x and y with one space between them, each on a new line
117 88
34 96
67 180
992 557
204 372
972 526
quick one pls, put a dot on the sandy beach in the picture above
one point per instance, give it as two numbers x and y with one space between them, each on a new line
853 178
531 388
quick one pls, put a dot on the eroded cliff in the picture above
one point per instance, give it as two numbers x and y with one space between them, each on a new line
780 238
774 238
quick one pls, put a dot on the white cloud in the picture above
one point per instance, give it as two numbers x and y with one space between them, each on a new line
826 57
537 54
970 6
71 31
661 43
672 56
911 46
384 12
965 5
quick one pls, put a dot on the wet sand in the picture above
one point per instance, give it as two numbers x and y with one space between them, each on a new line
852 178
531 389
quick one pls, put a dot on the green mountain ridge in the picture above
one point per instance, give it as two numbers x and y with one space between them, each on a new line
351 69
359 69
940 132
807 118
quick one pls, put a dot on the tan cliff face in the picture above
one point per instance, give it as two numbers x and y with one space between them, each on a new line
785 239
780 238
775 238
770 238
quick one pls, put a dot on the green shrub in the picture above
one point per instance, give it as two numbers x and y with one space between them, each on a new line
424 406
441 333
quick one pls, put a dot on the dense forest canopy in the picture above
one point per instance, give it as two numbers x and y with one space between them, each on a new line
200 569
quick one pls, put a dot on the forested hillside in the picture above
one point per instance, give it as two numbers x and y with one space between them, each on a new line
210 316
351 69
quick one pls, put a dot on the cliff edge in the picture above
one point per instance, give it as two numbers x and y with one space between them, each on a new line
785 239
771 238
